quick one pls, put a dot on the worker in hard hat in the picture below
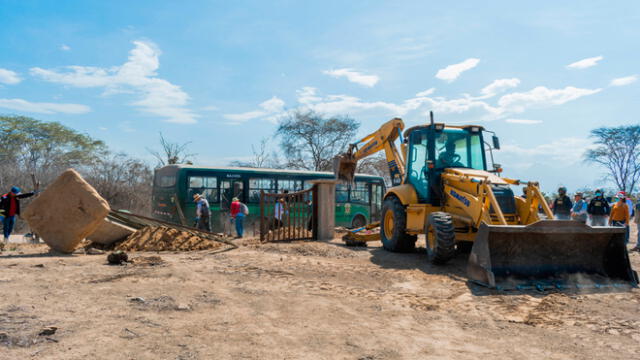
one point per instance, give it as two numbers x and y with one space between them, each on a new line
10 208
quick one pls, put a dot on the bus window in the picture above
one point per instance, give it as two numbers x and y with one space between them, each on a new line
360 192
291 185
206 186
342 193
230 189
255 185
165 180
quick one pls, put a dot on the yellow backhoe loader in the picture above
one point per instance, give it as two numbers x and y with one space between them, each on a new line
442 188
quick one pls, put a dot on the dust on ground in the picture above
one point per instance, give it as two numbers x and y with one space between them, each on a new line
309 300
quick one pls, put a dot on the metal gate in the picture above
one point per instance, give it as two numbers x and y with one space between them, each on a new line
286 217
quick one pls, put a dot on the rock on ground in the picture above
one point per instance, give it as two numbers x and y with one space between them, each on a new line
66 212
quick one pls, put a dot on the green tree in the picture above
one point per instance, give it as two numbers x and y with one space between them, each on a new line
310 141
31 146
617 149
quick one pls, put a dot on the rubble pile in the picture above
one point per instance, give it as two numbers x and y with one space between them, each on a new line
161 238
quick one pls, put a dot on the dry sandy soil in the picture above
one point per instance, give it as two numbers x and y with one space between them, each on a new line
292 301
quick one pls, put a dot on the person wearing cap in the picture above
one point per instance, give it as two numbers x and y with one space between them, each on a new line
562 205
203 213
598 209
620 215
636 220
237 214
9 208
579 209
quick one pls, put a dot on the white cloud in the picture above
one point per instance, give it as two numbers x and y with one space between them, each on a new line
523 121
585 63
342 104
138 76
624 80
541 96
426 92
568 150
43 107
499 85
65 47
452 72
9 77
354 76
269 110
210 108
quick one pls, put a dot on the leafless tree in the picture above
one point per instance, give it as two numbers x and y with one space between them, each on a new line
123 181
310 141
375 165
260 156
618 150
172 152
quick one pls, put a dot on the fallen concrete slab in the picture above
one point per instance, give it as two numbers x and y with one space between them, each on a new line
68 211
109 232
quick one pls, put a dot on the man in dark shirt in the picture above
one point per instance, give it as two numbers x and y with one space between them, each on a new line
9 208
598 209
562 205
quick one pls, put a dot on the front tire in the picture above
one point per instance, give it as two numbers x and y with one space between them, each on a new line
393 227
440 238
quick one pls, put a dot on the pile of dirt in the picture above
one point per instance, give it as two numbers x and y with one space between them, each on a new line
160 238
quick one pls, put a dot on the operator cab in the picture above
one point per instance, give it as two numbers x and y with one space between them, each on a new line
433 148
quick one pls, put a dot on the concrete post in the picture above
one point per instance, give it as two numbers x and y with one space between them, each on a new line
326 202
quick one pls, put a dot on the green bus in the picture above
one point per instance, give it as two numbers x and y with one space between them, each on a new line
356 205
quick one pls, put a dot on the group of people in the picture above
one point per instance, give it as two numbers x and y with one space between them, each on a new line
237 213
598 210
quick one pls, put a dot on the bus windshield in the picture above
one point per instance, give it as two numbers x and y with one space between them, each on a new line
165 177
459 148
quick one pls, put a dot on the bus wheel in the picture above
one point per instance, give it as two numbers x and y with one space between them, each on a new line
358 221
393 226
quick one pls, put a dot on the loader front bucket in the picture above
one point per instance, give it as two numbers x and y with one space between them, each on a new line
344 167
550 254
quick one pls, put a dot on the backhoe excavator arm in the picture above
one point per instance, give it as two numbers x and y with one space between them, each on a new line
382 139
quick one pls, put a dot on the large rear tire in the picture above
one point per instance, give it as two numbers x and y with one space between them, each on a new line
393 227
440 238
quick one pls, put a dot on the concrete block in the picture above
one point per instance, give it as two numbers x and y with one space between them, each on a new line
66 212
109 232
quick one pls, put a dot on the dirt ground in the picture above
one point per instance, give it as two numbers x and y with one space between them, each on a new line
290 301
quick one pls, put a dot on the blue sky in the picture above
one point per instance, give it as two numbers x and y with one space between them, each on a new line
221 73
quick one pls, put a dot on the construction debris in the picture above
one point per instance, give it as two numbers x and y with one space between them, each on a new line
117 258
66 212
162 238
360 236
110 232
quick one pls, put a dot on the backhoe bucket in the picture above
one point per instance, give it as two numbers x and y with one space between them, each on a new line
344 167
550 254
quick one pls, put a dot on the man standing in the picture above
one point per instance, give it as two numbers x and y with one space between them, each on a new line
9 208
203 212
237 214
620 215
579 210
598 209
562 205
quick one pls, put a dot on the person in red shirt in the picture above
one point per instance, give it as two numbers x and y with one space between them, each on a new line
9 208
238 211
